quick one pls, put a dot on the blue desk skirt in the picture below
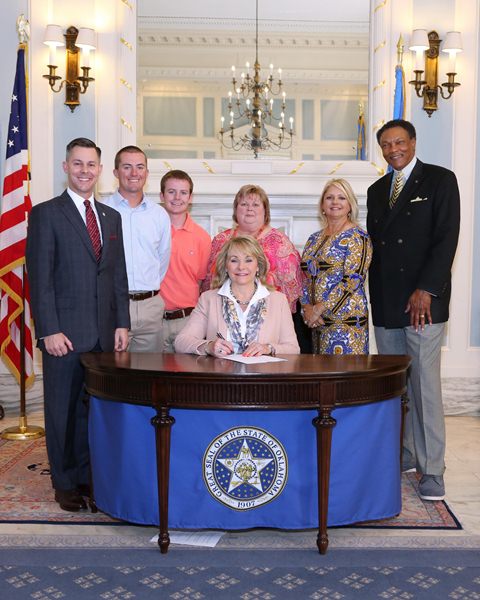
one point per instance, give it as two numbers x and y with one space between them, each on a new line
243 469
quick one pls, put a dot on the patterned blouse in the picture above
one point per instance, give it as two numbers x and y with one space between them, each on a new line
336 268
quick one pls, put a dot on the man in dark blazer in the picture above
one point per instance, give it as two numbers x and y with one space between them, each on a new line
80 304
413 219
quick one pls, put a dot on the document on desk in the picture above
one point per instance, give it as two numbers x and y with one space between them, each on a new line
253 360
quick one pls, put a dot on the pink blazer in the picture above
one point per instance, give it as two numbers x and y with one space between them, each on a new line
207 318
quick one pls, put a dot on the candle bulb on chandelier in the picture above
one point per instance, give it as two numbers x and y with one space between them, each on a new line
291 124
271 70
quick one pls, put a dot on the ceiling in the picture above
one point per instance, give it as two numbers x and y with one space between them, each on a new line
340 11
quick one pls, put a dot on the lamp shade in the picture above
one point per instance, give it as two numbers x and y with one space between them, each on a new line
453 42
419 40
54 36
86 38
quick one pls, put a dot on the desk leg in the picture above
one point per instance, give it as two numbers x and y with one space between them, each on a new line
163 424
324 424
405 410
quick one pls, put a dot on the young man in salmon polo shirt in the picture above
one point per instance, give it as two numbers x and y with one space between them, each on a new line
191 245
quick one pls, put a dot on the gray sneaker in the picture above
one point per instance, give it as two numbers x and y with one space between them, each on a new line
408 467
431 487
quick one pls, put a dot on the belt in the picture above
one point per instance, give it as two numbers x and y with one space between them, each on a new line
142 295
177 314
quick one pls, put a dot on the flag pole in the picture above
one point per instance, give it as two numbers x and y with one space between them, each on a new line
23 431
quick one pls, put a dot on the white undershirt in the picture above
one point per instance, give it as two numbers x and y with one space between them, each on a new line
260 292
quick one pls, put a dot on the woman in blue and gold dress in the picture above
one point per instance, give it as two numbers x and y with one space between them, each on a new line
335 261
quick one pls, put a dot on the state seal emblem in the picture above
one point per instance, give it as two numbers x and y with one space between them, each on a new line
245 467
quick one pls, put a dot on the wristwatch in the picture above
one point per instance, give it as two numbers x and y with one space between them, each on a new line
272 349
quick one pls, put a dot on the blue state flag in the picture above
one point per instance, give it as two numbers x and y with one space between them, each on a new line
399 96
361 150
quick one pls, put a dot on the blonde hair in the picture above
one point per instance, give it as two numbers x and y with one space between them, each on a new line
252 190
246 244
346 188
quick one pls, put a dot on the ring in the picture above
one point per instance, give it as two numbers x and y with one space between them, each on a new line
220 351
422 316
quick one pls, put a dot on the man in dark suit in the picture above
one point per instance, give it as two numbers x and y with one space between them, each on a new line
413 219
79 296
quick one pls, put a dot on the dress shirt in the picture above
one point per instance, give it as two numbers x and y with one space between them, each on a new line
407 171
146 239
260 292
79 203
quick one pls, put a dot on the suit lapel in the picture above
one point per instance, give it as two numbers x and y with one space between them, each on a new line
73 216
406 194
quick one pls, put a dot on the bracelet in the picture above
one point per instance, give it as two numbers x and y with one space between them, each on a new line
272 349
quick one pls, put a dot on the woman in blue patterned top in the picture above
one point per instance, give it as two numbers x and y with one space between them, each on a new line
335 261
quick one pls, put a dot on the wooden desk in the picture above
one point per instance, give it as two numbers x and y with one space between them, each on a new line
303 382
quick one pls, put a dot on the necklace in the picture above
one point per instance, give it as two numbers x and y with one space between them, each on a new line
243 302
254 235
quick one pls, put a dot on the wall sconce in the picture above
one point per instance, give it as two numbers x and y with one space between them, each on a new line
428 88
74 39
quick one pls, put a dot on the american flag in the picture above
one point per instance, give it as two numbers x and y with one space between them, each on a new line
16 204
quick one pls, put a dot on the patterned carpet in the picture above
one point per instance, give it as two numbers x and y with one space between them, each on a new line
26 495
244 575
117 561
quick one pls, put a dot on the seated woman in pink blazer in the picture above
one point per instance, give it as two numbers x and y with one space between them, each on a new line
241 314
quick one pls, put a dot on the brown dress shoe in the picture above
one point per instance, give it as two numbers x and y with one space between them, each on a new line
70 500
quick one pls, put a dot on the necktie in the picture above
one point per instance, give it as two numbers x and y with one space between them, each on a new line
92 228
397 188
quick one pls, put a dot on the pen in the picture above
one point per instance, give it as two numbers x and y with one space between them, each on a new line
220 336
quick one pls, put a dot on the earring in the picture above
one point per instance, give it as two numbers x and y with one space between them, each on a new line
323 212
257 274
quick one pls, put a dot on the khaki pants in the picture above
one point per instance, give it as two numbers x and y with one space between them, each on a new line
171 328
146 318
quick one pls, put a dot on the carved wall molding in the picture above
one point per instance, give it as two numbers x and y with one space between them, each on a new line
321 41
223 75
245 25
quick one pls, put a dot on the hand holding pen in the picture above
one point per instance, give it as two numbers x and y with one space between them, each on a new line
221 346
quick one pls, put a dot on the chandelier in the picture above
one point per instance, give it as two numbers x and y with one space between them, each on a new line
251 102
